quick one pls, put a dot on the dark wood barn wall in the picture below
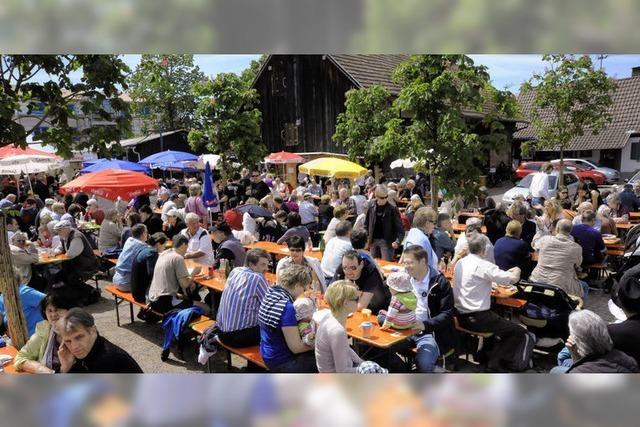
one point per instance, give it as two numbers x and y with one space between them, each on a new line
305 89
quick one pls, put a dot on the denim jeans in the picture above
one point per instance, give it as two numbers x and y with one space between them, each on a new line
427 352
585 289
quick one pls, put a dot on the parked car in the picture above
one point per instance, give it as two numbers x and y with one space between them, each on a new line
571 181
612 175
585 175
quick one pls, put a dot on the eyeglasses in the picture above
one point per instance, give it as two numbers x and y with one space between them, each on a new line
21 241
356 299
255 176
382 197
296 250
350 267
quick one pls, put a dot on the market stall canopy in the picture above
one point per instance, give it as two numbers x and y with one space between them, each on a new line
212 159
333 168
10 150
34 162
169 157
283 157
115 164
111 184
403 163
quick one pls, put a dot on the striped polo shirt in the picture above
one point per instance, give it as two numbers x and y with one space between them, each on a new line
241 298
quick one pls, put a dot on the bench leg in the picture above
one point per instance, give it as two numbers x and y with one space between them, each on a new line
115 298
131 312
229 365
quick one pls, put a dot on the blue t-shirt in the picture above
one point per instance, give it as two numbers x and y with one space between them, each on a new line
273 346
30 299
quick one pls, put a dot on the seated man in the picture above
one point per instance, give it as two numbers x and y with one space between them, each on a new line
133 245
442 233
434 310
84 351
93 212
511 251
229 247
375 294
559 257
244 290
172 287
200 249
152 220
81 266
472 295
590 239
424 222
24 254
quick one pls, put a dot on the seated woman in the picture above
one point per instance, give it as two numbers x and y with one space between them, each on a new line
281 347
84 351
295 228
333 353
40 354
30 299
296 245
110 231
133 218
589 348
608 224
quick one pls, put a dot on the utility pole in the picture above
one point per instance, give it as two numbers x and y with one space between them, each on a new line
602 57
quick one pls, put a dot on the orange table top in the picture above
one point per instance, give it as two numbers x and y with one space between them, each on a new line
46 259
459 228
280 250
377 337
624 225
11 351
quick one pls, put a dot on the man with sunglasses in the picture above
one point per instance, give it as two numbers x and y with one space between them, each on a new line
259 189
375 295
384 226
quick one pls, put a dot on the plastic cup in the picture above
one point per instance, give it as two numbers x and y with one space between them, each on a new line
366 314
366 327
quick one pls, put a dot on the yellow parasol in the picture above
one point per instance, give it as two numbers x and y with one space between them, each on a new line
333 167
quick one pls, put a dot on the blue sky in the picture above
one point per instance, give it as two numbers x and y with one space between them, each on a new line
507 71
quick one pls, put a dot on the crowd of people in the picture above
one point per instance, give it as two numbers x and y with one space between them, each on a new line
443 284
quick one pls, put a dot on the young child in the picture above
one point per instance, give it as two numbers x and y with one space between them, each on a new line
305 307
402 308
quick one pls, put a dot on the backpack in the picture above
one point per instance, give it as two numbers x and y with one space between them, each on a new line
522 356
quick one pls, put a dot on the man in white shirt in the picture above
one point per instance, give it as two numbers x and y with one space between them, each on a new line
309 213
539 186
472 295
199 248
335 248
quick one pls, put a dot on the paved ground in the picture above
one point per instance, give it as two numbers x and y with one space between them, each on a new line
144 341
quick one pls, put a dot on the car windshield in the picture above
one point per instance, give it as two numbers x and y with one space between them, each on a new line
526 181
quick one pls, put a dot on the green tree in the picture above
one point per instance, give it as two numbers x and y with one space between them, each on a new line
82 87
250 73
361 126
227 121
58 102
162 91
569 99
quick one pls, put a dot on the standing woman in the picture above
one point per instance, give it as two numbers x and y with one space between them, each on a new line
333 352
194 204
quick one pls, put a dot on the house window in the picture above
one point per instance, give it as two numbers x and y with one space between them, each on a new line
585 153
278 83
635 151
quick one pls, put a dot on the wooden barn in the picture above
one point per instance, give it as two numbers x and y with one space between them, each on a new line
142 146
302 95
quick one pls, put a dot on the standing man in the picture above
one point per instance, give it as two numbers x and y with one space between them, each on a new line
383 225
539 186
309 214
259 189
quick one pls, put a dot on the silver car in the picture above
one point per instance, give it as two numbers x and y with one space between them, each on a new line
522 187
612 176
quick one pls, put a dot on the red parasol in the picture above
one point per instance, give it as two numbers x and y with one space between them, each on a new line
283 157
10 151
111 184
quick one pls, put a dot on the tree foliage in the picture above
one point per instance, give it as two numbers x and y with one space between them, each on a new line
162 91
362 124
227 121
249 74
569 99
57 102
440 119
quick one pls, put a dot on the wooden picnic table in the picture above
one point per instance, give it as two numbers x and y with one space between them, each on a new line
624 225
45 259
280 250
377 337
10 351
157 211
459 228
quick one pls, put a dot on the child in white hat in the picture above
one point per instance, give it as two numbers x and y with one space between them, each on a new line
402 308
305 307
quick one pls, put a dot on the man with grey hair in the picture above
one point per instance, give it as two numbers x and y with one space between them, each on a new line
474 225
84 351
590 348
345 200
472 295
47 209
424 221
559 257
24 254
383 225
200 248
410 190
